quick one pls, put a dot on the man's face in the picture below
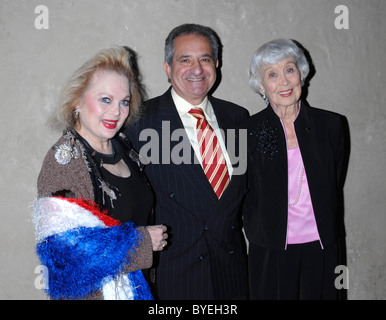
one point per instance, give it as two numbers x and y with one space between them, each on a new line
193 71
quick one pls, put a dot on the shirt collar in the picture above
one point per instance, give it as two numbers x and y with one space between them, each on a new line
183 106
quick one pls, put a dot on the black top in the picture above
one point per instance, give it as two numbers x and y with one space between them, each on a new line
134 196
135 199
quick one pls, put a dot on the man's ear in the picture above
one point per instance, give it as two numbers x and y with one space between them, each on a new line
167 69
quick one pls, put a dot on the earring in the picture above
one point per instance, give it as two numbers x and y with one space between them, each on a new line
76 113
263 95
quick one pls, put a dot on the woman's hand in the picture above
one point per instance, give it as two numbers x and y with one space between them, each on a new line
158 235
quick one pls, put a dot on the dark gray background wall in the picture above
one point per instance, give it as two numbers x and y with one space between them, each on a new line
349 79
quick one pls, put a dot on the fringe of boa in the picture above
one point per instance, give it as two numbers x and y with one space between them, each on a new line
84 251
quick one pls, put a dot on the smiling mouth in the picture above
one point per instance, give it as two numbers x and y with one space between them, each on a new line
286 93
196 79
110 124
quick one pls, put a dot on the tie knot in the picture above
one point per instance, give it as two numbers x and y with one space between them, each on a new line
198 113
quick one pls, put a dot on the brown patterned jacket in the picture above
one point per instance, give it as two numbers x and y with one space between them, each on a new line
73 180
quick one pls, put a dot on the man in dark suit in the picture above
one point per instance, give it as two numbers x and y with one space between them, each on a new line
206 254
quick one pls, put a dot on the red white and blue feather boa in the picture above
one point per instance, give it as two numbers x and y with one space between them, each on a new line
85 250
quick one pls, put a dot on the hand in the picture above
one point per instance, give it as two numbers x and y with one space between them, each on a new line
158 235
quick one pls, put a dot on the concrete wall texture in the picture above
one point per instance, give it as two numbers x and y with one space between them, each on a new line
37 55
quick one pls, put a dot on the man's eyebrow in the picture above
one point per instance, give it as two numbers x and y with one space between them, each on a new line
205 55
184 56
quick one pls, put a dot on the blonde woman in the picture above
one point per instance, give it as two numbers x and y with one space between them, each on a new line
94 204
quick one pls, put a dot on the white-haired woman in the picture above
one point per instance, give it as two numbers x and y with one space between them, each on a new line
296 162
94 203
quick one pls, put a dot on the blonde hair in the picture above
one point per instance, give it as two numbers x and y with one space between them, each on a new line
119 59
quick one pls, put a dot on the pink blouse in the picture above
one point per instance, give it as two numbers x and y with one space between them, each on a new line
301 226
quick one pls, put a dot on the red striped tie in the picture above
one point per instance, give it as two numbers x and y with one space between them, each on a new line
213 160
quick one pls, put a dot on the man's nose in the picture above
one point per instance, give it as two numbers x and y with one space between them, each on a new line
197 68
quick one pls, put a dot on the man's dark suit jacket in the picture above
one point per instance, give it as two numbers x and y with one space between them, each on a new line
206 254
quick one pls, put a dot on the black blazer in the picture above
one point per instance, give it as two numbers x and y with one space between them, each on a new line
206 255
321 140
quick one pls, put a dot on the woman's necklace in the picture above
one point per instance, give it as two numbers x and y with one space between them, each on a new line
291 204
102 158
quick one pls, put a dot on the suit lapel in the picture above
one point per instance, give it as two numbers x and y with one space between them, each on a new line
222 119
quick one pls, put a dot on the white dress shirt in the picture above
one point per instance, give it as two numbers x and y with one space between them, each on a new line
190 122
